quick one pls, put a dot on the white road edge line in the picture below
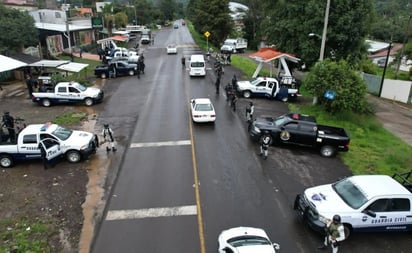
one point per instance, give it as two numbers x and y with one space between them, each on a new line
159 144
151 212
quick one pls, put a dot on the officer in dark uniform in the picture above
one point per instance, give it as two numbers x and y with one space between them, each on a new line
43 155
8 122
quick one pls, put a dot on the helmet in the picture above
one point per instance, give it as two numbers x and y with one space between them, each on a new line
336 218
251 103
106 125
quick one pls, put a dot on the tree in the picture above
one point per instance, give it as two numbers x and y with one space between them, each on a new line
252 22
120 20
18 31
212 16
288 23
338 77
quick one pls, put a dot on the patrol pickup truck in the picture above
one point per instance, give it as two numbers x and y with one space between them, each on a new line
302 130
267 87
68 92
58 140
366 203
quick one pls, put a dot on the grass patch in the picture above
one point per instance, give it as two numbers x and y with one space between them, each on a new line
23 235
70 118
373 149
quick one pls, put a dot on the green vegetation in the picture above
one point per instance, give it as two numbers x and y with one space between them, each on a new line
70 118
83 76
24 234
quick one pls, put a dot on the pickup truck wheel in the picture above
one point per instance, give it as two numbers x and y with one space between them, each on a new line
46 102
73 156
247 94
327 151
88 101
131 72
103 75
348 230
6 161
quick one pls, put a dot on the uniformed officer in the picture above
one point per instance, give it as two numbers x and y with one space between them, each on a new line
335 233
8 122
264 145
249 112
109 138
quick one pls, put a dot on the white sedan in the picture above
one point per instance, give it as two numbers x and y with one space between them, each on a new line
246 240
202 110
171 49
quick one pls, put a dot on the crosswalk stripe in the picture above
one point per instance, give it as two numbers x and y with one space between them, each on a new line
151 212
160 144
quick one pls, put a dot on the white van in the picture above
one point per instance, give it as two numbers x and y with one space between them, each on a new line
197 65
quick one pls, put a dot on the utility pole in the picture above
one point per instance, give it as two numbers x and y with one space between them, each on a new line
66 10
405 40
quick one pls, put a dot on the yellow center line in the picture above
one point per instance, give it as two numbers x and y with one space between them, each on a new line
195 175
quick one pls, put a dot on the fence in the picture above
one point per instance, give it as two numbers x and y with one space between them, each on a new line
391 89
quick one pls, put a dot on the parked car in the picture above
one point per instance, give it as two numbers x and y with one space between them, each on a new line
171 49
245 239
145 39
202 110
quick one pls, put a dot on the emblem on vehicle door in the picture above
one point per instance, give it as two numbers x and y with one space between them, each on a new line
284 135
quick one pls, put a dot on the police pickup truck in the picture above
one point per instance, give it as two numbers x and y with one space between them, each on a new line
68 92
58 140
302 130
366 203
267 87
118 68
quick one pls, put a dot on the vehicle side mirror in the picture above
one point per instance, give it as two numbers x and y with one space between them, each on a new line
276 246
369 212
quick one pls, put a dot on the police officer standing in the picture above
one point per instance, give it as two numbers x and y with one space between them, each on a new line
335 233
43 154
264 145
8 122
217 84
109 138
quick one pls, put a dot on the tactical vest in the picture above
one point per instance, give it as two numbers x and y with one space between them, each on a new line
333 230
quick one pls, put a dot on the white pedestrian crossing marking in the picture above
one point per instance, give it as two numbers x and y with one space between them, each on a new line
160 144
151 212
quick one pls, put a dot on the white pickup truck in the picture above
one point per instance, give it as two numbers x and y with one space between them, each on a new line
58 140
266 87
67 92
366 203
123 54
233 46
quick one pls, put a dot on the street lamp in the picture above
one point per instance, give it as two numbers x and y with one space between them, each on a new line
135 16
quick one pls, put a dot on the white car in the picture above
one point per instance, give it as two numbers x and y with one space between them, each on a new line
171 49
202 110
246 240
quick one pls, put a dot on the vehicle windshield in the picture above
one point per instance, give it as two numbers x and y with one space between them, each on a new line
79 86
197 64
247 241
228 43
350 193
280 120
62 133
204 107
255 81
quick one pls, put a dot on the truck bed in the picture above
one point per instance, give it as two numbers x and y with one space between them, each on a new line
330 130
